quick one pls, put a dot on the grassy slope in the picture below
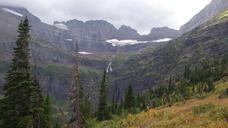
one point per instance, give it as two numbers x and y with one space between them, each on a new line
208 111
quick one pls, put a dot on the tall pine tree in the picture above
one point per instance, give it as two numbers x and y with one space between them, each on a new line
129 102
103 113
85 108
40 115
22 102
47 110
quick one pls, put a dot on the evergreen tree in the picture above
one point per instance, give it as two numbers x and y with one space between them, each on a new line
120 107
129 102
211 86
103 112
85 105
22 102
85 108
138 101
57 125
47 109
113 109
18 82
38 108
114 105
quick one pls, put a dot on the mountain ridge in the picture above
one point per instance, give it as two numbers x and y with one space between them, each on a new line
91 35
211 10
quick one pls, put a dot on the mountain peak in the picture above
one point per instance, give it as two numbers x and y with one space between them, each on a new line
127 28
19 11
162 29
126 32
160 33
74 21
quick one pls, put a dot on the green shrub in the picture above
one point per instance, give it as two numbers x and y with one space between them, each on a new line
203 108
163 115
224 94
225 113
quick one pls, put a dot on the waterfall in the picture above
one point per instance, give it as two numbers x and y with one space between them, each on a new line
109 67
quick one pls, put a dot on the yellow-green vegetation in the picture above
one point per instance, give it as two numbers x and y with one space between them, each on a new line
223 14
211 111
221 17
88 71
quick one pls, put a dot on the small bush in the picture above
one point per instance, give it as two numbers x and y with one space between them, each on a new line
224 94
163 115
219 113
225 114
203 108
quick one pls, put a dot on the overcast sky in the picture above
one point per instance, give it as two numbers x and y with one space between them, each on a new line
139 14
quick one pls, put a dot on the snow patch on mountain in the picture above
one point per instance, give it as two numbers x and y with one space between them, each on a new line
116 42
162 40
61 26
85 53
12 12
70 40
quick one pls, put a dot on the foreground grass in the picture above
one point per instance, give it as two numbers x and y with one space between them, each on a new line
208 111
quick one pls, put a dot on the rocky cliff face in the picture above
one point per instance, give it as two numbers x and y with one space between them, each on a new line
92 35
204 15
95 29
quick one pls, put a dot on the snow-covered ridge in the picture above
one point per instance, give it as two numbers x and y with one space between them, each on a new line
116 42
85 53
12 12
162 40
61 26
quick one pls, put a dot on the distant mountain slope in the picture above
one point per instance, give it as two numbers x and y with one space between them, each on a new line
150 67
206 14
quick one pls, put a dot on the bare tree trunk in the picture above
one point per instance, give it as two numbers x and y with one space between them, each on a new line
74 97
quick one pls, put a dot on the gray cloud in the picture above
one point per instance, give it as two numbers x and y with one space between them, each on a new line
139 14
